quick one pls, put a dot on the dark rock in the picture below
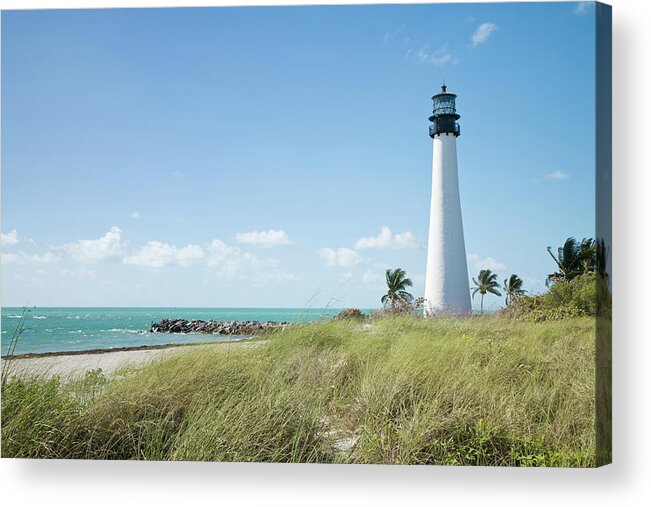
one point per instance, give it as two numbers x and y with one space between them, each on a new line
249 327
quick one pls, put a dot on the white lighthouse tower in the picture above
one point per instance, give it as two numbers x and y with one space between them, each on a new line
446 281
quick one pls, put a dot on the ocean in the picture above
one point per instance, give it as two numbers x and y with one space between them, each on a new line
75 329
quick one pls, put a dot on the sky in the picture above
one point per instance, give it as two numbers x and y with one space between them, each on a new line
279 156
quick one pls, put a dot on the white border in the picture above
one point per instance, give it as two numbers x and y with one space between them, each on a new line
626 482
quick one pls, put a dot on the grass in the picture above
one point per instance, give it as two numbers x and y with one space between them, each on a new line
478 391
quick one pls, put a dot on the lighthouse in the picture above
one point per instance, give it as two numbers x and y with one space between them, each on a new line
446 280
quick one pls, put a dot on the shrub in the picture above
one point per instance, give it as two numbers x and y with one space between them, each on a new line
350 313
576 298
400 309
579 294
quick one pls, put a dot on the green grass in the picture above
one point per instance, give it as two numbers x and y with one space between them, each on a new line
479 391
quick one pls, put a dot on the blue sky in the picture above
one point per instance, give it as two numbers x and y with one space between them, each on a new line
279 157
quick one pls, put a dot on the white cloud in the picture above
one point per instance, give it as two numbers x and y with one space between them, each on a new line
223 260
482 33
485 263
342 257
231 261
22 258
78 273
390 35
439 57
373 278
268 238
135 215
264 277
189 254
153 255
558 175
218 252
582 7
158 255
11 238
387 240
94 250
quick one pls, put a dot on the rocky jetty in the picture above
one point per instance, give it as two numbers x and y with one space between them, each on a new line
233 327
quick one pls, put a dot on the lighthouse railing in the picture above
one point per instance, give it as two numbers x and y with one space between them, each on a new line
436 128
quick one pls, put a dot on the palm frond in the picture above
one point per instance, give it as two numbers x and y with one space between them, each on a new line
405 296
549 249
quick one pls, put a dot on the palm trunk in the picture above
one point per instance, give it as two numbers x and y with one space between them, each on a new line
481 305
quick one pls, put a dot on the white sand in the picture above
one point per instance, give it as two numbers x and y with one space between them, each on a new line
76 365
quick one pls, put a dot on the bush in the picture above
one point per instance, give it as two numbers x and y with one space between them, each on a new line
350 313
576 298
579 294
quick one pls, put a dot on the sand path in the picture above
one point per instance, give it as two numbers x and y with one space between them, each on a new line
108 361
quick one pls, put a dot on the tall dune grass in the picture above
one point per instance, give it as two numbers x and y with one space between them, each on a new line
478 391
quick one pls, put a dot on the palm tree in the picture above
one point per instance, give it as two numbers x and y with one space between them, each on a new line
573 259
486 282
588 253
512 287
397 296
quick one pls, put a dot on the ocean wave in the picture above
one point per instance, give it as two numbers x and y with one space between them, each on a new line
118 330
39 317
13 316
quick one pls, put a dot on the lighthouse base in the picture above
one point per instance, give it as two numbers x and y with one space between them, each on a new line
447 311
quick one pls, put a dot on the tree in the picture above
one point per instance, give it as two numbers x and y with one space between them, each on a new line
512 287
397 297
573 259
588 254
486 282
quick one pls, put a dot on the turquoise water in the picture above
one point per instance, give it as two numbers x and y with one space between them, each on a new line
71 329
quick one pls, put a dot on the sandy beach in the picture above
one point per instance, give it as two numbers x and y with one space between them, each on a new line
72 365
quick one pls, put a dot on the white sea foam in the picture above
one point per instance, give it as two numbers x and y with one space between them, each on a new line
39 317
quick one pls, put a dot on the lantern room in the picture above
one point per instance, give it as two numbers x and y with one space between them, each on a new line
444 114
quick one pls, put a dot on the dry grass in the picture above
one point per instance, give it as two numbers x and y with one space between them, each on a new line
479 391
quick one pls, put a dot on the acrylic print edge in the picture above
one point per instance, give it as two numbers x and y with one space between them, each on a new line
603 226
